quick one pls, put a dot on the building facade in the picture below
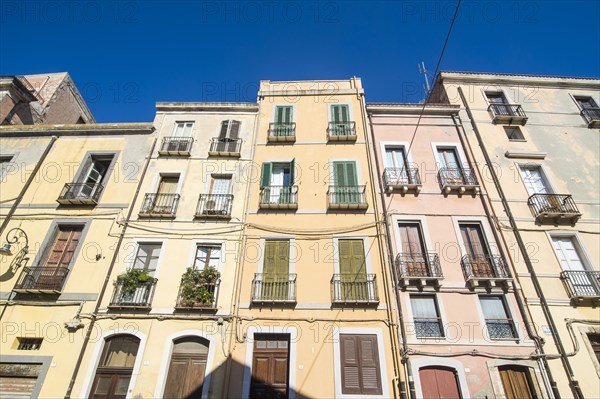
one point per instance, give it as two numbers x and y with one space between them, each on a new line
536 139
64 190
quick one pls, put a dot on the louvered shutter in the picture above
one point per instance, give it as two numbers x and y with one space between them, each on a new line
369 365
224 128
345 256
361 371
265 178
350 365
234 130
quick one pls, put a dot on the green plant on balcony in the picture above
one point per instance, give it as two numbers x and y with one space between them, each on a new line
131 280
198 286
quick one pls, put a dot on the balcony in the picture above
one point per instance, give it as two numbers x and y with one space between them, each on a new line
347 197
347 289
274 288
485 270
214 206
458 179
420 270
553 208
159 205
591 116
209 292
225 147
282 132
402 179
582 285
141 298
80 194
341 131
41 280
177 146
507 113
278 197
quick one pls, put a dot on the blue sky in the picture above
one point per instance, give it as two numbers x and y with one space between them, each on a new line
126 55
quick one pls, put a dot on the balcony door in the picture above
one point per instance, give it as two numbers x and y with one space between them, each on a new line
501 106
218 202
345 182
413 249
115 368
395 158
449 161
164 202
283 121
571 261
94 173
187 369
476 249
59 257
353 270
228 136
516 382
534 180
276 268
277 180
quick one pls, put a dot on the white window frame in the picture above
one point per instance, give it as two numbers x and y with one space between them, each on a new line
462 158
217 175
211 367
584 256
491 244
180 174
350 111
274 111
337 362
535 165
331 177
509 308
413 338
421 220
404 144
178 122
207 242
136 246
336 253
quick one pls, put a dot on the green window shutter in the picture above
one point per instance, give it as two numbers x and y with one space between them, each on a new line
283 257
292 171
265 178
234 132
359 267
345 113
351 174
288 115
340 113
278 114
345 256
283 114
344 173
270 262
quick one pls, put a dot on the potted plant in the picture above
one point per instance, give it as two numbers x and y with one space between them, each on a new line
130 282
198 286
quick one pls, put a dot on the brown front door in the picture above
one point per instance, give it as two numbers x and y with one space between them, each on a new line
270 367
439 383
187 369
413 250
476 250
59 257
516 382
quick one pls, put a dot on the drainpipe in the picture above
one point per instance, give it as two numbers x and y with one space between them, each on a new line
13 209
573 383
405 359
94 315
488 212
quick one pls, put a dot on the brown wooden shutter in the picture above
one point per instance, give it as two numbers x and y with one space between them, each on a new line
361 371
64 245
350 364
234 131
369 365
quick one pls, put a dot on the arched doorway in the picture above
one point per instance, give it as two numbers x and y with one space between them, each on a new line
115 367
439 383
187 367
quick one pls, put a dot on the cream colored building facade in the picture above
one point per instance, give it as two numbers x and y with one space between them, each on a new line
540 133
66 188
313 294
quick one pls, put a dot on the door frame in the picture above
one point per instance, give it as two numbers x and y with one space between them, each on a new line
252 330
534 373
419 363
161 379
88 381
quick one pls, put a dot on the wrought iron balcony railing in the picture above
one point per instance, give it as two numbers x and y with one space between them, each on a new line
341 131
419 269
209 291
274 288
553 207
582 284
277 197
225 147
460 179
159 205
42 280
346 197
428 327
403 179
176 146
591 116
214 206
354 289
282 131
140 298
500 328
507 113
80 193
485 269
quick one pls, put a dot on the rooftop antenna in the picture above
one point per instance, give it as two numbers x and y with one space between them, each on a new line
423 71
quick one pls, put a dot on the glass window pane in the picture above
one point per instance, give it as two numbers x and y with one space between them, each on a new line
121 352
103 385
122 385
493 308
423 306
261 344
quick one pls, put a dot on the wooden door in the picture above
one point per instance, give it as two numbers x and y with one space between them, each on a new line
413 250
359 356
275 280
439 383
187 369
270 367
516 382
59 257
476 250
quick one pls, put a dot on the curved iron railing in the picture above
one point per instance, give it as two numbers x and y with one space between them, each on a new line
274 287
276 196
141 297
354 288
279 130
341 130
346 196
484 266
42 279
559 204
401 176
225 146
457 177
419 265
80 193
156 204
582 283
214 205
211 289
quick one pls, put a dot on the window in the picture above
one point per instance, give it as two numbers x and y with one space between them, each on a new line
29 344
183 129
284 115
496 98
168 184
277 258
595 342
353 281
567 253
477 254
415 261
115 368
220 184
426 315
230 129
514 133
340 113
277 183
586 102
395 157
361 371
93 174
580 282
147 256
497 318
451 170
207 256
534 179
